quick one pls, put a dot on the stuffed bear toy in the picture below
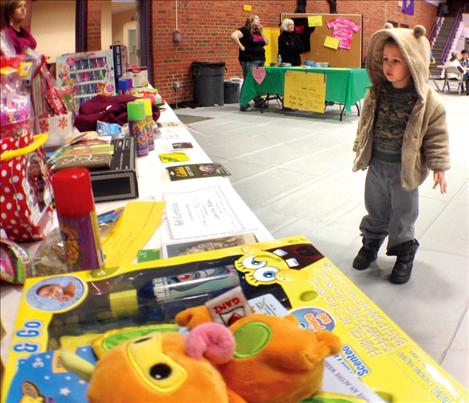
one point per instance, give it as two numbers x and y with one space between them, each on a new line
258 359
162 367
275 361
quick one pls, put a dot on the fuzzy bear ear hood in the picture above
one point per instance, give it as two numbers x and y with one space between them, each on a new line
414 47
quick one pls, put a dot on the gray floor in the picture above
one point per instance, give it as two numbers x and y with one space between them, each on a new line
295 173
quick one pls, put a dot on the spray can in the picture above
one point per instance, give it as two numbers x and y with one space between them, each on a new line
77 219
138 126
151 125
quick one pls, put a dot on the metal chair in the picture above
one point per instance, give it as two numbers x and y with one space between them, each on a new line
454 76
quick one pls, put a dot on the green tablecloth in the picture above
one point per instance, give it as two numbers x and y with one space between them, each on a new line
343 86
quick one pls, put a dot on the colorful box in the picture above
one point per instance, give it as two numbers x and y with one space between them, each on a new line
88 73
378 362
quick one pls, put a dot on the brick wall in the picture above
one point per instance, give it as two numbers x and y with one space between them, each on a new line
93 39
206 27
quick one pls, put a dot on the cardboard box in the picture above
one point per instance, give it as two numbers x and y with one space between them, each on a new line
378 361
120 181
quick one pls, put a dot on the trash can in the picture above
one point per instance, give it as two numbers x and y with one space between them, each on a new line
231 92
208 83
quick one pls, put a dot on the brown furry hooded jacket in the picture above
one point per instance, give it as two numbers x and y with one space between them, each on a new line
425 143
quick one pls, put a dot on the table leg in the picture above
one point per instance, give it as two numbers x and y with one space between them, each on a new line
342 111
357 104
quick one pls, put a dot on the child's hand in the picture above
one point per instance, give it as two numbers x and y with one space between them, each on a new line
439 179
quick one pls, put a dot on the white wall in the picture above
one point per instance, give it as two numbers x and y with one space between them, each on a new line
464 34
118 21
106 25
53 26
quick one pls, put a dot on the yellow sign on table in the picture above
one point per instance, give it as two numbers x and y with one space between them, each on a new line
135 227
305 91
314 20
331 42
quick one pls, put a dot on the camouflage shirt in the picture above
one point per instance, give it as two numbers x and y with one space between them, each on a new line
392 113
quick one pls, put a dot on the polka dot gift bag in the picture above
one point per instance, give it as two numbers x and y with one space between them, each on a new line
25 196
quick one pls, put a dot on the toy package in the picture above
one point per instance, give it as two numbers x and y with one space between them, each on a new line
88 73
286 278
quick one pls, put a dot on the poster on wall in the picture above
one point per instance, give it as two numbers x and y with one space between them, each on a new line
408 7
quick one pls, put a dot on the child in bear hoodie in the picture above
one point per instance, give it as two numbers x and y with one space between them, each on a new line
402 135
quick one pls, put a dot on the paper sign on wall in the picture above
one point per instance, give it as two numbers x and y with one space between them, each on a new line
247 7
314 21
305 91
407 7
331 42
271 49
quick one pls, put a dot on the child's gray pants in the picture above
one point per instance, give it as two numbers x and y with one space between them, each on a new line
392 211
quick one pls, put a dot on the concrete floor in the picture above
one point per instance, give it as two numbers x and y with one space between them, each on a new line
294 172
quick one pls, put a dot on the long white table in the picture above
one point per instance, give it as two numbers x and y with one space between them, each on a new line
154 185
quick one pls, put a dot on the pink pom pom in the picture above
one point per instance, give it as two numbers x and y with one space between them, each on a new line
211 340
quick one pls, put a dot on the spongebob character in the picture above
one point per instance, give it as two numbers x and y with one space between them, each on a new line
284 266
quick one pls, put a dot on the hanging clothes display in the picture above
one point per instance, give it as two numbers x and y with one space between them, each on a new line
304 32
343 29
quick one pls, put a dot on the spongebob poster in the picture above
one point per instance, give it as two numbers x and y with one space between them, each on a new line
378 361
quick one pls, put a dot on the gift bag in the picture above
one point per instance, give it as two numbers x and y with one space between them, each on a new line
45 93
25 197
25 193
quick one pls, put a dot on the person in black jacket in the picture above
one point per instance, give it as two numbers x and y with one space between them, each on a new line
251 41
289 43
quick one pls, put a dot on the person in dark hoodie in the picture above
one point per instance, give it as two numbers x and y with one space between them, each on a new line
401 135
290 46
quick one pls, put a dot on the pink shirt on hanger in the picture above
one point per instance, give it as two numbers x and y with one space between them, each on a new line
342 29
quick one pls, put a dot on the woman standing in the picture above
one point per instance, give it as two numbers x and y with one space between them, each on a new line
14 38
289 43
251 41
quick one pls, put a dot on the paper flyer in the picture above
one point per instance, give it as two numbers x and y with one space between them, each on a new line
194 171
205 245
199 214
173 157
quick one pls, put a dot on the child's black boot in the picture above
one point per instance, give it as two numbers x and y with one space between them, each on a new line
367 253
402 269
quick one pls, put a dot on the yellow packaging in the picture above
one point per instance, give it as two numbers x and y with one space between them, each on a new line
277 276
